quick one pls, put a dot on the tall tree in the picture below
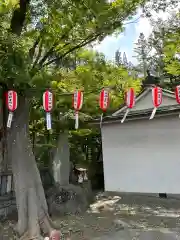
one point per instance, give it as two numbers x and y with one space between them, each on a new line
125 61
118 58
35 38
142 51
164 31
172 51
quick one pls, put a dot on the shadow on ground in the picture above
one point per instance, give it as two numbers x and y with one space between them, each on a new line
121 216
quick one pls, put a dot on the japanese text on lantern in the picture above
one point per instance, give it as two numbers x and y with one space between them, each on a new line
159 96
106 98
76 99
10 99
50 100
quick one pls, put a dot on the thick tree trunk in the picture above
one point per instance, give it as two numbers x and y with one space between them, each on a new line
30 197
61 161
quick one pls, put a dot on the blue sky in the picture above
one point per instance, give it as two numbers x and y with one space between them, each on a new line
125 41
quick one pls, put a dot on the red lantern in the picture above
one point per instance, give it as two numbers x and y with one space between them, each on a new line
157 96
48 102
77 100
157 100
11 100
77 104
130 98
177 93
104 100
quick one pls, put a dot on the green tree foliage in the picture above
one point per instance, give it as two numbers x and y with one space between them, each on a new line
172 50
63 27
172 47
40 40
162 55
92 73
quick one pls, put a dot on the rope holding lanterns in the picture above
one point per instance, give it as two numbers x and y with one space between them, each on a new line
103 102
104 99
130 98
11 101
48 102
157 100
77 105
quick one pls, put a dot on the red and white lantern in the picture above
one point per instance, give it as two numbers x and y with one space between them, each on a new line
104 100
157 100
130 99
48 102
77 105
11 101
177 94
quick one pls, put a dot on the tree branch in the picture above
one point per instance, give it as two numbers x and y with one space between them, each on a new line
49 53
38 55
19 16
33 49
84 43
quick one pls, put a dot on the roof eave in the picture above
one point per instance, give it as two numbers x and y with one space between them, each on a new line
139 115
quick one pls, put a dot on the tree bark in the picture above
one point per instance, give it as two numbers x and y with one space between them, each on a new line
30 198
61 162
19 16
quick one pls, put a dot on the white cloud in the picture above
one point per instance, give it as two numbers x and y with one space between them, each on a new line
107 43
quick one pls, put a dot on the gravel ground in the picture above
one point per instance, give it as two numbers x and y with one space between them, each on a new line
122 217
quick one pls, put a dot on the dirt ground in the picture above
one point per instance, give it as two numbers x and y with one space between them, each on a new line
114 213
110 214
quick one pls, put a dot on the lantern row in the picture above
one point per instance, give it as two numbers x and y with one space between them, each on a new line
104 99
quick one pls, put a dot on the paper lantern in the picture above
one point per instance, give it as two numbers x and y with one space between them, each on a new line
130 98
104 100
77 105
156 99
177 93
48 102
11 102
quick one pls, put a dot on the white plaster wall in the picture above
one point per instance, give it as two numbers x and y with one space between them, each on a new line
142 156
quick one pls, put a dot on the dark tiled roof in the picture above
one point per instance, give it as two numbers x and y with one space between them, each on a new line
174 109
